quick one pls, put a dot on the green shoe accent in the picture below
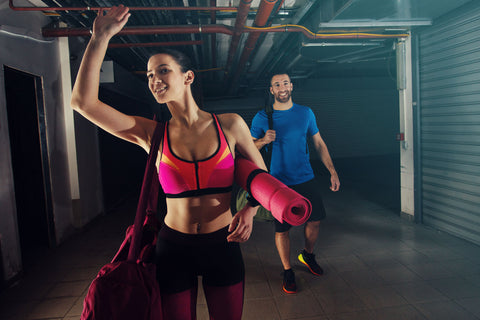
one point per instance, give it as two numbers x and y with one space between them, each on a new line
309 260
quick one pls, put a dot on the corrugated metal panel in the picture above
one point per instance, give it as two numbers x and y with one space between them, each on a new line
356 117
450 123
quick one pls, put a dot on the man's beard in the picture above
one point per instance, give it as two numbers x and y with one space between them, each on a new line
284 99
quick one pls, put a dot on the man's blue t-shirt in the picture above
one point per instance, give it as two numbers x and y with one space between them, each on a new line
290 158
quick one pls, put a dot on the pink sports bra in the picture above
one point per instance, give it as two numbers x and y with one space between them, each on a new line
182 178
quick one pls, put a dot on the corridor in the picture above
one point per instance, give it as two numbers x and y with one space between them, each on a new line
377 266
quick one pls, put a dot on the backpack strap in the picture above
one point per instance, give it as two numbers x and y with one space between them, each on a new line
145 194
269 147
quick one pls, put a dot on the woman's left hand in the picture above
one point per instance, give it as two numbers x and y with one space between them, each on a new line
242 225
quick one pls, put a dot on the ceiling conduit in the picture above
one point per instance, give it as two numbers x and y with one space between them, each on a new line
242 14
175 29
155 44
216 28
10 2
261 19
213 40
267 65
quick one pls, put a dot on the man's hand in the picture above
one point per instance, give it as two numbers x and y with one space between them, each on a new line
269 136
335 182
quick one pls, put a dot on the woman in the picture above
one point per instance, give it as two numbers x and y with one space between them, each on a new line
195 166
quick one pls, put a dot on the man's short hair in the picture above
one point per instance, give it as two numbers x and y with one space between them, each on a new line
279 73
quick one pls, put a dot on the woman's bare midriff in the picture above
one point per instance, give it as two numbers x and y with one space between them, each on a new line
203 214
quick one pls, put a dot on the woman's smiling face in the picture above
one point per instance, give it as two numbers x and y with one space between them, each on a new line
166 80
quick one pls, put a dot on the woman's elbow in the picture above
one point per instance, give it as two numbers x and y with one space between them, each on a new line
75 104
78 104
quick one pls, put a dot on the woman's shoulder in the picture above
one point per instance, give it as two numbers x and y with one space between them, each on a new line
232 123
229 119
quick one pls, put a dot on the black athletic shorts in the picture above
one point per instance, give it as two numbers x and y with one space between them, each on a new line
182 257
312 191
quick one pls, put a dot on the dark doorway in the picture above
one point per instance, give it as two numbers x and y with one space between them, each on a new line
26 123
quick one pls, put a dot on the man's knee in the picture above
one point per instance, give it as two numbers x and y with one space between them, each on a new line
283 235
312 226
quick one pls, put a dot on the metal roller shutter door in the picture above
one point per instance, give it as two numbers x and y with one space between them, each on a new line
450 123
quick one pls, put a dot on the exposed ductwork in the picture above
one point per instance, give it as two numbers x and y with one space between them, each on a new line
264 11
213 40
218 28
155 44
242 14
175 26
177 29
212 8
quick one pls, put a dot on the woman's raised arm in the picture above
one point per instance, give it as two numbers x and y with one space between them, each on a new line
85 91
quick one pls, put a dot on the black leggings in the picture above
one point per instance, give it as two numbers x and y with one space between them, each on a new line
181 258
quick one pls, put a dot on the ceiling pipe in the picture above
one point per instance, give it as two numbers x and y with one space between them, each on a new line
262 36
265 9
242 14
213 39
217 28
283 42
342 35
155 44
176 29
10 2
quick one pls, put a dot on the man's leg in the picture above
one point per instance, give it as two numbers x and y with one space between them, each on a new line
282 241
312 229
307 257
312 191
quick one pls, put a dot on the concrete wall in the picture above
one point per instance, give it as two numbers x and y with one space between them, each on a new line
77 195
22 48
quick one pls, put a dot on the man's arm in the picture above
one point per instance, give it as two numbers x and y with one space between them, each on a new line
267 138
322 151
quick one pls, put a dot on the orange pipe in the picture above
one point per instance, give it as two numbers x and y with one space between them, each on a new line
242 14
264 11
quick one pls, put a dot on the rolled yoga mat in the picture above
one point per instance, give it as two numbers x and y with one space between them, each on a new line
285 204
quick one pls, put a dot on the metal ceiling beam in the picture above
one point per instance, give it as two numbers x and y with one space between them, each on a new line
175 29
13 7
213 38
243 8
330 9
155 44
218 28
280 45
376 23
264 11
341 44
364 54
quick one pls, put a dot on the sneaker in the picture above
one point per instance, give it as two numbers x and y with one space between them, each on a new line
308 259
289 285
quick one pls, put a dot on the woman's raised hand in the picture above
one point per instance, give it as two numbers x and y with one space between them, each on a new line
110 22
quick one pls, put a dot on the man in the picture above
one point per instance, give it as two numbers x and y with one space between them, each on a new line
290 163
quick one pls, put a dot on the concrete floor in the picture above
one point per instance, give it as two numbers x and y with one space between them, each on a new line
377 266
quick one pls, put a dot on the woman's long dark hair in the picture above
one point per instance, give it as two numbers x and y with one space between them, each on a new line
181 58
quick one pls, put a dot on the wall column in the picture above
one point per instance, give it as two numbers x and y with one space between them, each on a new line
404 86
